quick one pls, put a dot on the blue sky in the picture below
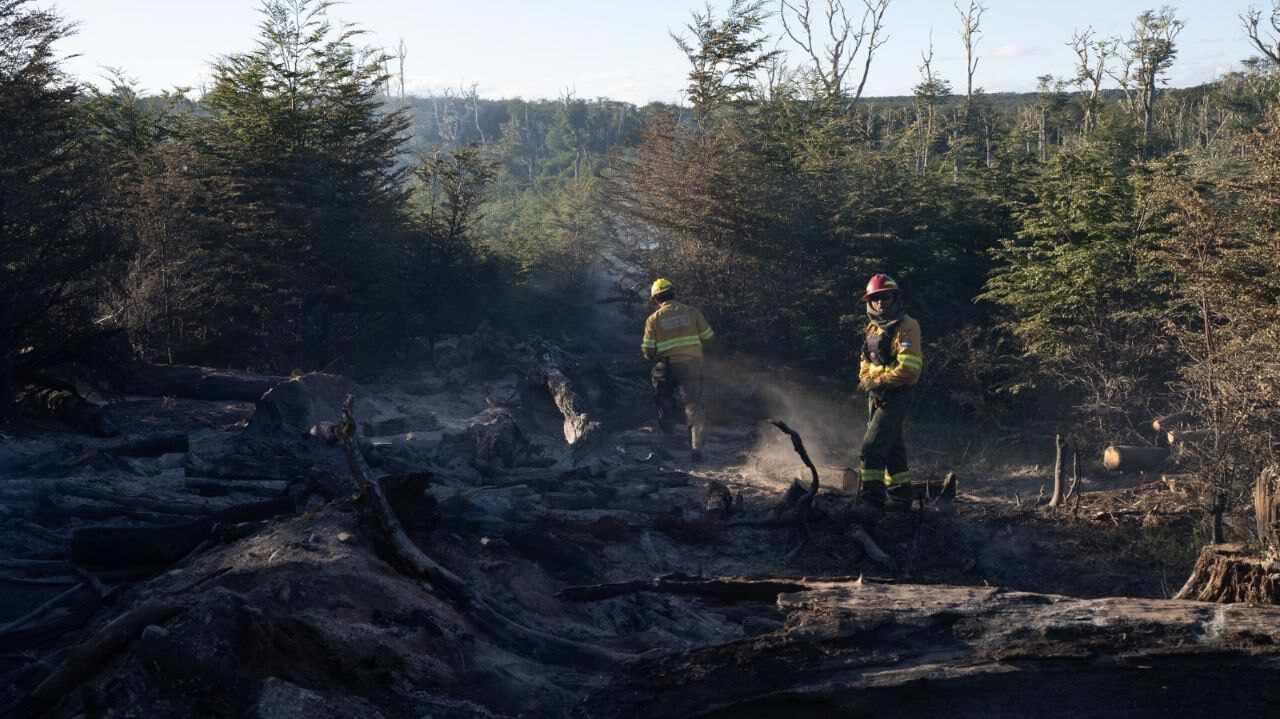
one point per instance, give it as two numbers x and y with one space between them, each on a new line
617 48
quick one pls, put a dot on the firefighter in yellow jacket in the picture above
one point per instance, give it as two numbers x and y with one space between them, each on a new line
891 364
674 336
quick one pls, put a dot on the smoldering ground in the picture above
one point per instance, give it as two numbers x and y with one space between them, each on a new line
828 416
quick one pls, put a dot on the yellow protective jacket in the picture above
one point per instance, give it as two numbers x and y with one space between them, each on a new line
675 332
901 365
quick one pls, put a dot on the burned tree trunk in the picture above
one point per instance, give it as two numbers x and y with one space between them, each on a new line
1266 506
1059 446
1227 574
201 383
578 425
1121 458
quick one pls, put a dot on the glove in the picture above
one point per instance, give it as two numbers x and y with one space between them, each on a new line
866 385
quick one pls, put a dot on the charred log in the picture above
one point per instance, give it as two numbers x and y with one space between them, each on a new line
65 406
411 560
1121 458
224 487
578 424
83 661
151 445
852 650
727 589
117 547
201 383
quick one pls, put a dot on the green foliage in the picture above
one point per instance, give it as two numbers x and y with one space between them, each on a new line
1083 307
281 220
303 161
725 55
441 264
773 217
53 231
1218 242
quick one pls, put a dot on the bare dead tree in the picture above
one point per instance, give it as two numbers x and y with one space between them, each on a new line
1049 93
832 42
970 30
446 120
472 97
931 90
401 53
1267 43
1148 54
1123 75
1091 68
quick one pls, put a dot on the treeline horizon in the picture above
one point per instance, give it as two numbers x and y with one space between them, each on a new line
1095 255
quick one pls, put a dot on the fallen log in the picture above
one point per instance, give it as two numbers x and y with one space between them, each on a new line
151 503
50 581
578 425
60 508
729 589
873 550
152 445
66 406
37 567
411 560
224 487
744 588
120 547
960 651
67 611
378 508
83 661
130 504
202 383
1229 574
1121 458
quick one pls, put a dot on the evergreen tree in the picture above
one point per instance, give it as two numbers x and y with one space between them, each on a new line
304 161
52 229
1079 300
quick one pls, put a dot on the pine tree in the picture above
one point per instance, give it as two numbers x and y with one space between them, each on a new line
304 159
52 230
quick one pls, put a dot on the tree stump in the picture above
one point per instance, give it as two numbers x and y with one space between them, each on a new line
1227 574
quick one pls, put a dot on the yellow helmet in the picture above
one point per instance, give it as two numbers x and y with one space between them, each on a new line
660 285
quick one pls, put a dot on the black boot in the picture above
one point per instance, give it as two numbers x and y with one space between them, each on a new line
901 496
872 494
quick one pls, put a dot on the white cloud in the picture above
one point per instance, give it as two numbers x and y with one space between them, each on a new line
1014 50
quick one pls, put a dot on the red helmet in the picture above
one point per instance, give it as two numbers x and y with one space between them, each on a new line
878 285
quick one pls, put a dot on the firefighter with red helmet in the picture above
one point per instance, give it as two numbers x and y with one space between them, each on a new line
891 364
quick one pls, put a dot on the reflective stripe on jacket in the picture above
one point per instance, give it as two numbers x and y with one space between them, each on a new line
905 361
675 332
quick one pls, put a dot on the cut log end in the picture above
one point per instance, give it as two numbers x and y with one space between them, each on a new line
1119 458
